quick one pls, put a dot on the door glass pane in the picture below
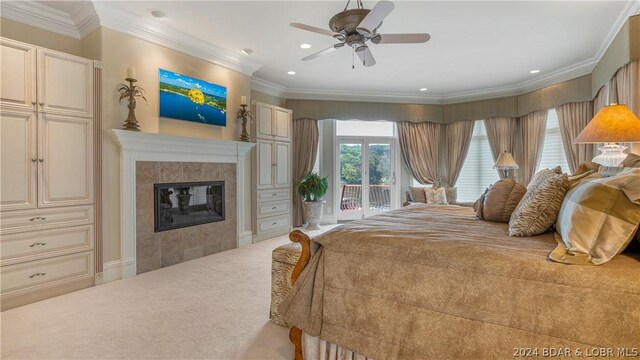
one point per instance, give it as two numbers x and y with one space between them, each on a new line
351 177
380 177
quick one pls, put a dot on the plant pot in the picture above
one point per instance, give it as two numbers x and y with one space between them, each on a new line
313 213
183 203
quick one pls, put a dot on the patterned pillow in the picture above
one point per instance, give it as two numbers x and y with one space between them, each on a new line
607 171
436 196
632 160
539 207
598 219
544 173
417 194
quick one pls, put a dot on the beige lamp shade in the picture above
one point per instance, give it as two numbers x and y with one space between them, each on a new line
612 124
505 161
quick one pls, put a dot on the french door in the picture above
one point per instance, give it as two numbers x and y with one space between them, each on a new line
367 177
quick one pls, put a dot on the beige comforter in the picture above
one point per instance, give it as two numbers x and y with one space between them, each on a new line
435 282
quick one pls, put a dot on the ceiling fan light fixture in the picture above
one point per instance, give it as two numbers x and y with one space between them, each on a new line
305 46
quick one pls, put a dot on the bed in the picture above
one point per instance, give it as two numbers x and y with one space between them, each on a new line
435 282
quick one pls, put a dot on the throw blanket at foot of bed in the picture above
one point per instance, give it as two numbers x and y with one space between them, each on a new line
436 282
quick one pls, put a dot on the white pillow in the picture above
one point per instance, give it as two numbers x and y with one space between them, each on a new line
436 196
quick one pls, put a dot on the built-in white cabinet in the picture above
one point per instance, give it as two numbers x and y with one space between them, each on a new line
272 171
47 170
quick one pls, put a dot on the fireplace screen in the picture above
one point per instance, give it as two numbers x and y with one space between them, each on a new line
180 205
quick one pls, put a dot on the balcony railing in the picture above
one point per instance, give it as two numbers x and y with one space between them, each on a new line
379 197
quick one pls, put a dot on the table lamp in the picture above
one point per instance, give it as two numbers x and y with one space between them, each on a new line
505 163
612 124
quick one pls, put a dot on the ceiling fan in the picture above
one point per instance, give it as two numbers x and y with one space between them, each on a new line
356 27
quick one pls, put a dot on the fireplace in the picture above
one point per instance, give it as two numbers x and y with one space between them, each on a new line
179 205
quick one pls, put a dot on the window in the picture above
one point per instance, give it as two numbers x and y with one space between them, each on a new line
553 150
365 128
477 172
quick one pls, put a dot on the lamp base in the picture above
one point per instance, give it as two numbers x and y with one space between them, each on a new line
611 155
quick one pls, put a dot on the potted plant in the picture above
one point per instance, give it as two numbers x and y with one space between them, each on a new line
312 189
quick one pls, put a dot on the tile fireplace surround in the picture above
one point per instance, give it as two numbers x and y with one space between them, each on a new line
147 157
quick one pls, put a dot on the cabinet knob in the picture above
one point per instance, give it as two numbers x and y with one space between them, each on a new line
34 160
274 194
37 274
274 208
41 104
274 224
41 160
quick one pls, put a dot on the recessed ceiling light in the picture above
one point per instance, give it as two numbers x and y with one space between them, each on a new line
305 46
534 71
291 72
246 51
423 89
157 13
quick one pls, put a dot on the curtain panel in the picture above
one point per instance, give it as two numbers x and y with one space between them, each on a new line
458 137
626 83
419 145
533 128
501 133
572 118
602 99
304 149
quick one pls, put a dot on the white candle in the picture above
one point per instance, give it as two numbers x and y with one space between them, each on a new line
243 100
131 73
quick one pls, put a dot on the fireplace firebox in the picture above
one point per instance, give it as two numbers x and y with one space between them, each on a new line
179 205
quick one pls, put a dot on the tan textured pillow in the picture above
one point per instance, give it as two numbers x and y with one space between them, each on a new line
598 219
452 194
585 167
632 161
436 196
539 207
417 194
544 173
500 200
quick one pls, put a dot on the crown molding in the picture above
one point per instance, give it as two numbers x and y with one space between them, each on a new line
340 95
123 21
86 18
41 16
267 87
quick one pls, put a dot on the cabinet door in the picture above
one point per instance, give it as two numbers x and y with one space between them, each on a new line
65 84
282 171
264 122
283 124
18 160
66 161
266 166
18 69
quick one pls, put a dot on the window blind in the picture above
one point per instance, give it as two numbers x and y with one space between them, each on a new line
553 150
477 172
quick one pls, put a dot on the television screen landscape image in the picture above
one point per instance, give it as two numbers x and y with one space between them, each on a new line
185 98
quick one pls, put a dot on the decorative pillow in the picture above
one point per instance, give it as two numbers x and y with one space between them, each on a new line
632 161
500 200
539 207
452 194
436 196
544 173
585 167
479 205
577 179
417 194
598 219
607 171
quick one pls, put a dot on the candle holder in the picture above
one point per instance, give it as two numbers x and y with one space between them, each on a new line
131 91
243 115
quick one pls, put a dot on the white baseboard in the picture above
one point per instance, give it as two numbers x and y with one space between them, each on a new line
114 270
245 238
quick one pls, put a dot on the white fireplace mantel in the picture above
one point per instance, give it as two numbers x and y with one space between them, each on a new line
141 146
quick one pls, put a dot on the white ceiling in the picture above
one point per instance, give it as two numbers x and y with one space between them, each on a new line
476 46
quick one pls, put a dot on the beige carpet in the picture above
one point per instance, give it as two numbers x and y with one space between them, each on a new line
216 307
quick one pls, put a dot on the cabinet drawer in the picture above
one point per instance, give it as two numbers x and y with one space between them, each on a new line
273 223
40 219
33 245
273 195
273 208
41 273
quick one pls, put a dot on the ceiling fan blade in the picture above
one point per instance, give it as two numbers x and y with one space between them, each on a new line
366 56
323 52
375 17
401 38
313 29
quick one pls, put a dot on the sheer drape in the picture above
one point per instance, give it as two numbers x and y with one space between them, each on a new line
304 150
533 127
572 118
626 83
602 99
419 144
458 137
